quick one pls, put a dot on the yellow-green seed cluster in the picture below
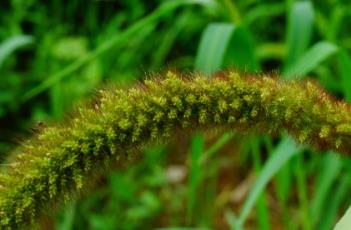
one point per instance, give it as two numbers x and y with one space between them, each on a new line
57 162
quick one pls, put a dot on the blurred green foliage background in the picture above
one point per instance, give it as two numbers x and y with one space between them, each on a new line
54 54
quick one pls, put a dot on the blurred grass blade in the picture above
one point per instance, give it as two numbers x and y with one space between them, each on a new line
273 50
232 220
281 155
311 59
345 222
213 46
264 11
8 46
262 209
167 42
197 147
344 61
232 11
121 38
300 24
67 220
302 191
331 169
241 53
224 139
225 45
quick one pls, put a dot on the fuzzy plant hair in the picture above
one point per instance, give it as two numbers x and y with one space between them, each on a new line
58 161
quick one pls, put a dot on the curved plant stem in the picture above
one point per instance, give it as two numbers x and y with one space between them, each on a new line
58 161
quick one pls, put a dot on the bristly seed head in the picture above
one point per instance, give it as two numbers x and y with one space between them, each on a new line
60 159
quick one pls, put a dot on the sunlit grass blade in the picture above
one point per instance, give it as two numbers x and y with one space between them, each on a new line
213 46
232 220
280 156
241 53
300 24
225 45
8 46
345 222
311 59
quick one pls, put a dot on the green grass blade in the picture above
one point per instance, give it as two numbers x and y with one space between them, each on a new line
197 148
241 53
232 220
225 45
67 220
300 24
281 155
224 139
300 174
330 171
264 11
8 46
271 50
232 11
311 59
335 202
283 181
261 204
213 46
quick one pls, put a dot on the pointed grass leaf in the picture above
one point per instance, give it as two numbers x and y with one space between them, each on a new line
300 24
311 59
225 45
241 53
224 139
286 149
213 46
330 172
232 220
8 46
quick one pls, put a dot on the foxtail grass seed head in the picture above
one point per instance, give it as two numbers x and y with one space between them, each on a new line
59 159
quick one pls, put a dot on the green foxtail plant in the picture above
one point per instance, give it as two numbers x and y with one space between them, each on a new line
56 163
